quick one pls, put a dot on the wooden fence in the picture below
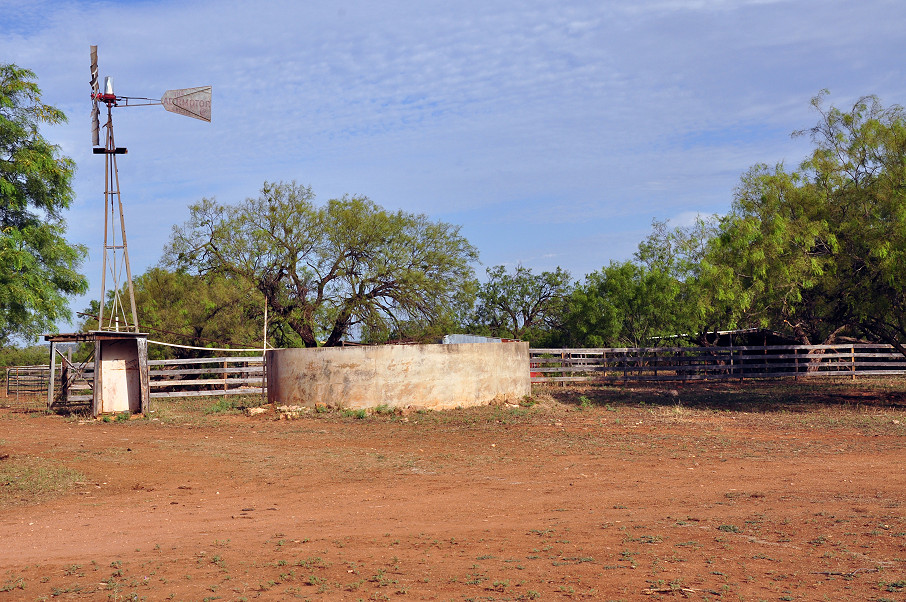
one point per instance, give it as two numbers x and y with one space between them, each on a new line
245 375
168 378
713 363
196 377
26 381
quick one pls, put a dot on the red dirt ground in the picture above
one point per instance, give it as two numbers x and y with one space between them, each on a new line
636 496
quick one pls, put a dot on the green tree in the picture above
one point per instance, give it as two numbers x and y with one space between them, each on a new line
522 305
679 253
858 170
656 294
38 267
33 355
325 270
820 250
772 254
678 250
626 304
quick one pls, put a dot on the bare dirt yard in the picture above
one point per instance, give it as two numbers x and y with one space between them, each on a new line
745 491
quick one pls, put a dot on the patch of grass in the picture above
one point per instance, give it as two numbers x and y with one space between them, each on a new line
357 414
12 583
311 562
200 410
644 539
119 417
895 586
527 402
75 569
224 406
30 479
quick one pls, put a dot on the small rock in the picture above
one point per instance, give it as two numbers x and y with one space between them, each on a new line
291 412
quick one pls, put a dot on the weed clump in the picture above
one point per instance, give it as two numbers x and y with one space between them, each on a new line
28 480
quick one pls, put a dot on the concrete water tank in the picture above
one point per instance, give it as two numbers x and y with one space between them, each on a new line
399 376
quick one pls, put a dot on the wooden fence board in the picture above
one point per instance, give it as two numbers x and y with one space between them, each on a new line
241 370
206 360
203 381
209 393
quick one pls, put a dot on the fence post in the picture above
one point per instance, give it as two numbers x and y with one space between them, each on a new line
264 376
732 365
64 380
686 365
53 361
852 351
796 361
563 357
764 350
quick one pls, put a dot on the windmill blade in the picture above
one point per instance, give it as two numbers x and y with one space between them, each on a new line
191 102
95 125
94 70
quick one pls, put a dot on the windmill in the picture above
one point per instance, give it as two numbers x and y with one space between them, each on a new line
191 102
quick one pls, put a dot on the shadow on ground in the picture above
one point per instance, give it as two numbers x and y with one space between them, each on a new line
746 396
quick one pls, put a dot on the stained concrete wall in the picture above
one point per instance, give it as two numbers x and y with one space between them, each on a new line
399 376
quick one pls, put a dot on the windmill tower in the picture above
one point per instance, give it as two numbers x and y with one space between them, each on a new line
121 378
191 102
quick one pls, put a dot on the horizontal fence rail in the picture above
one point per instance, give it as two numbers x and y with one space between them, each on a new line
713 363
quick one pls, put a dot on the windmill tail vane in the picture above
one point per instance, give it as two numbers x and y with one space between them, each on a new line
191 102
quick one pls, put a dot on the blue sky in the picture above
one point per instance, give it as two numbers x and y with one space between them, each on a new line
552 132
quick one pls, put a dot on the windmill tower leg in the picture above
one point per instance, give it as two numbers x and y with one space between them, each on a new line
116 262
119 200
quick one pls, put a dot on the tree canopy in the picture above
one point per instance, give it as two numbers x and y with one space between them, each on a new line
38 267
522 305
625 305
820 250
325 270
